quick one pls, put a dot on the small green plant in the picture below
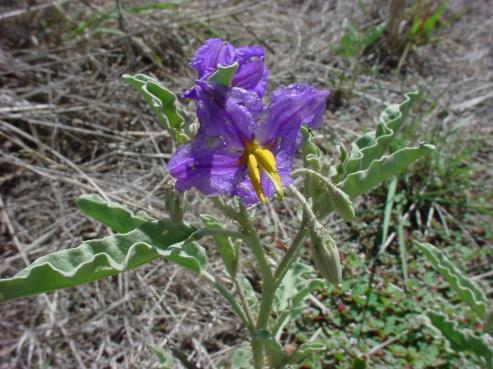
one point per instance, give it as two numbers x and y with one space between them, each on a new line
354 44
241 157
460 338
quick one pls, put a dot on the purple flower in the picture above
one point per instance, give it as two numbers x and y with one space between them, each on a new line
251 74
243 148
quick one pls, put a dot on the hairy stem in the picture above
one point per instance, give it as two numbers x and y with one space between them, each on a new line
268 286
243 300
292 253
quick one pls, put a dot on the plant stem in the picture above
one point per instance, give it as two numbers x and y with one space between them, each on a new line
225 209
243 300
268 286
292 252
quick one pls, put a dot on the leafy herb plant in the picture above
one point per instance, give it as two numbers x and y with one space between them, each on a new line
241 156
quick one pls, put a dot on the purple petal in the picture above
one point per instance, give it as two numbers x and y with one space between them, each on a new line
211 170
227 113
212 52
290 107
309 102
252 71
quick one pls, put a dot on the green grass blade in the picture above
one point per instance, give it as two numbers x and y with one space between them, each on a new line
402 251
461 339
153 6
96 259
389 204
110 213
382 169
467 290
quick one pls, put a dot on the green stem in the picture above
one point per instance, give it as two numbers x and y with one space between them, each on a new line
226 209
268 286
243 300
292 253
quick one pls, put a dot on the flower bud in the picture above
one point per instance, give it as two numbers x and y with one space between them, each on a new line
325 254
341 202
174 203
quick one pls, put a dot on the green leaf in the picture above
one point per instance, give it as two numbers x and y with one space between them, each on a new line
379 170
225 247
273 348
164 357
296 305
110 213
467 290
242 357
250 294
462 339
373 145
224 75
291 294
304 351
96 259
162 102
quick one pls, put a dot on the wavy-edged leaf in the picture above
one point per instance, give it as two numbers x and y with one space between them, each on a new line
379 170
226 249
162 102
108 256
462 339
224 74
111 214
467 290
374 144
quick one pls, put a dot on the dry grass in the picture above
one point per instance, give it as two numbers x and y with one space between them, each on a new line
69 125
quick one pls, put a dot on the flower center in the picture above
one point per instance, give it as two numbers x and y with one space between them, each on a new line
259 159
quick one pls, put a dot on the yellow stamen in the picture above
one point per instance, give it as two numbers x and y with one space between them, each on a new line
258 159
254 173
268 163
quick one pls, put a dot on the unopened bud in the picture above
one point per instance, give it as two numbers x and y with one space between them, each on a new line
325 254
174 203
338 199
342 202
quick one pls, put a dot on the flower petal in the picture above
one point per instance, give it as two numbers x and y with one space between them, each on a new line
212 52
252 71
211 170
227 113
290 107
